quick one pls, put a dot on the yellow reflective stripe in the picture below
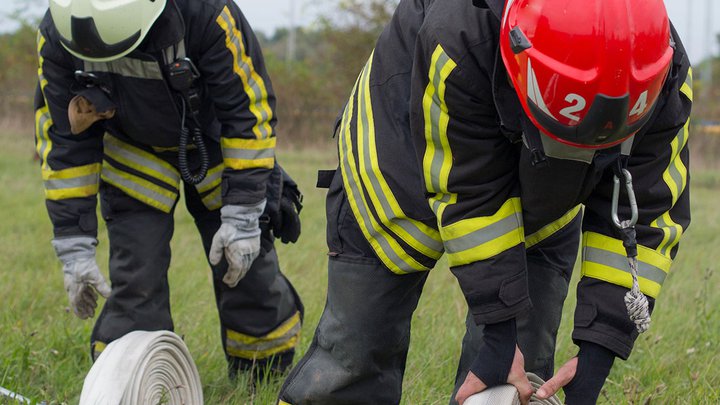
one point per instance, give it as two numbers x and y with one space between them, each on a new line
281 402
43 122
240 153
242 164
76 182
283 338
41 61
385 246
419 236
551 228
604 258
676 179
139 188
437 160
73 172
213 201
211 180
686 88
248 144
252 82
140 160
74 192
475 239
99 347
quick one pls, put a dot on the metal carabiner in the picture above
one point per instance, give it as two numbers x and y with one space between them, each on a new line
631 198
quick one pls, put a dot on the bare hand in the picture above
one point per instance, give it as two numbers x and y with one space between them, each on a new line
516 377
559 380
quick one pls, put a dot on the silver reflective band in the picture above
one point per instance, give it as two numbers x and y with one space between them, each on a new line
114 178
247 71
127 67
620 262
484 235
117 150
265 345
60 184
248 154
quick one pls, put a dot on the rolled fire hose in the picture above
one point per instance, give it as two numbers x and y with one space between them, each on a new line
508 395
143 368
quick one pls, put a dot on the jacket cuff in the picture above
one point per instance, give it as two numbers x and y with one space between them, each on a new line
73 217
601 317
496 289
246 187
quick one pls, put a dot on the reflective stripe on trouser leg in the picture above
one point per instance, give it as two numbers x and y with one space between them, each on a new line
360 346
260 317
139 260
550 265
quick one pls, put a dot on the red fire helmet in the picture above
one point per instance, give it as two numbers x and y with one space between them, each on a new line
588 73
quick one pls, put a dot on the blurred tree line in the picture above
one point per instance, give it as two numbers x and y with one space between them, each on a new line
311 89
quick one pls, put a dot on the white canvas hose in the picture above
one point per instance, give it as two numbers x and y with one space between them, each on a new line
508 395
143 368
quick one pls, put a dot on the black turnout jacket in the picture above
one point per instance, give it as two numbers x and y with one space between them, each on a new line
433 163
137 149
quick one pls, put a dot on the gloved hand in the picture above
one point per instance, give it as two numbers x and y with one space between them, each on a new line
238 239
583 377
82 275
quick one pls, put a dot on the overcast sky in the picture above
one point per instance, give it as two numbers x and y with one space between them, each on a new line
691 18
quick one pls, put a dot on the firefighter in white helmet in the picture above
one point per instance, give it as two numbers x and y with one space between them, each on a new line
137 100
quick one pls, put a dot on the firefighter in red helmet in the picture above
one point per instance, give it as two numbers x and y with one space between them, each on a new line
502 134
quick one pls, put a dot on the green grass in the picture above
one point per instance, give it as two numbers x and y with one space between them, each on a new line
44 348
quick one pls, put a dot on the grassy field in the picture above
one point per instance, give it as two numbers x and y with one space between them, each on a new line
44 348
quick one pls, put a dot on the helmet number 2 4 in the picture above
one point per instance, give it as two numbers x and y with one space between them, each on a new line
578 103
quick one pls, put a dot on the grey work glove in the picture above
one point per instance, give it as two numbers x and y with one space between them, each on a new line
83 280
238 239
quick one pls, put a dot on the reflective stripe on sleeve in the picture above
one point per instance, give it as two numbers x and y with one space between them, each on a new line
213 201
283 338
604 258
687 88
210 188
139 188
476 239
41 61
552 228
76 182
417 235
140 160
676 179
43 143
385 246
43 120
437 160
241 153
211 180
252 82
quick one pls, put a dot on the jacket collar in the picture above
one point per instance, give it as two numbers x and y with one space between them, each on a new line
167 31
496 6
